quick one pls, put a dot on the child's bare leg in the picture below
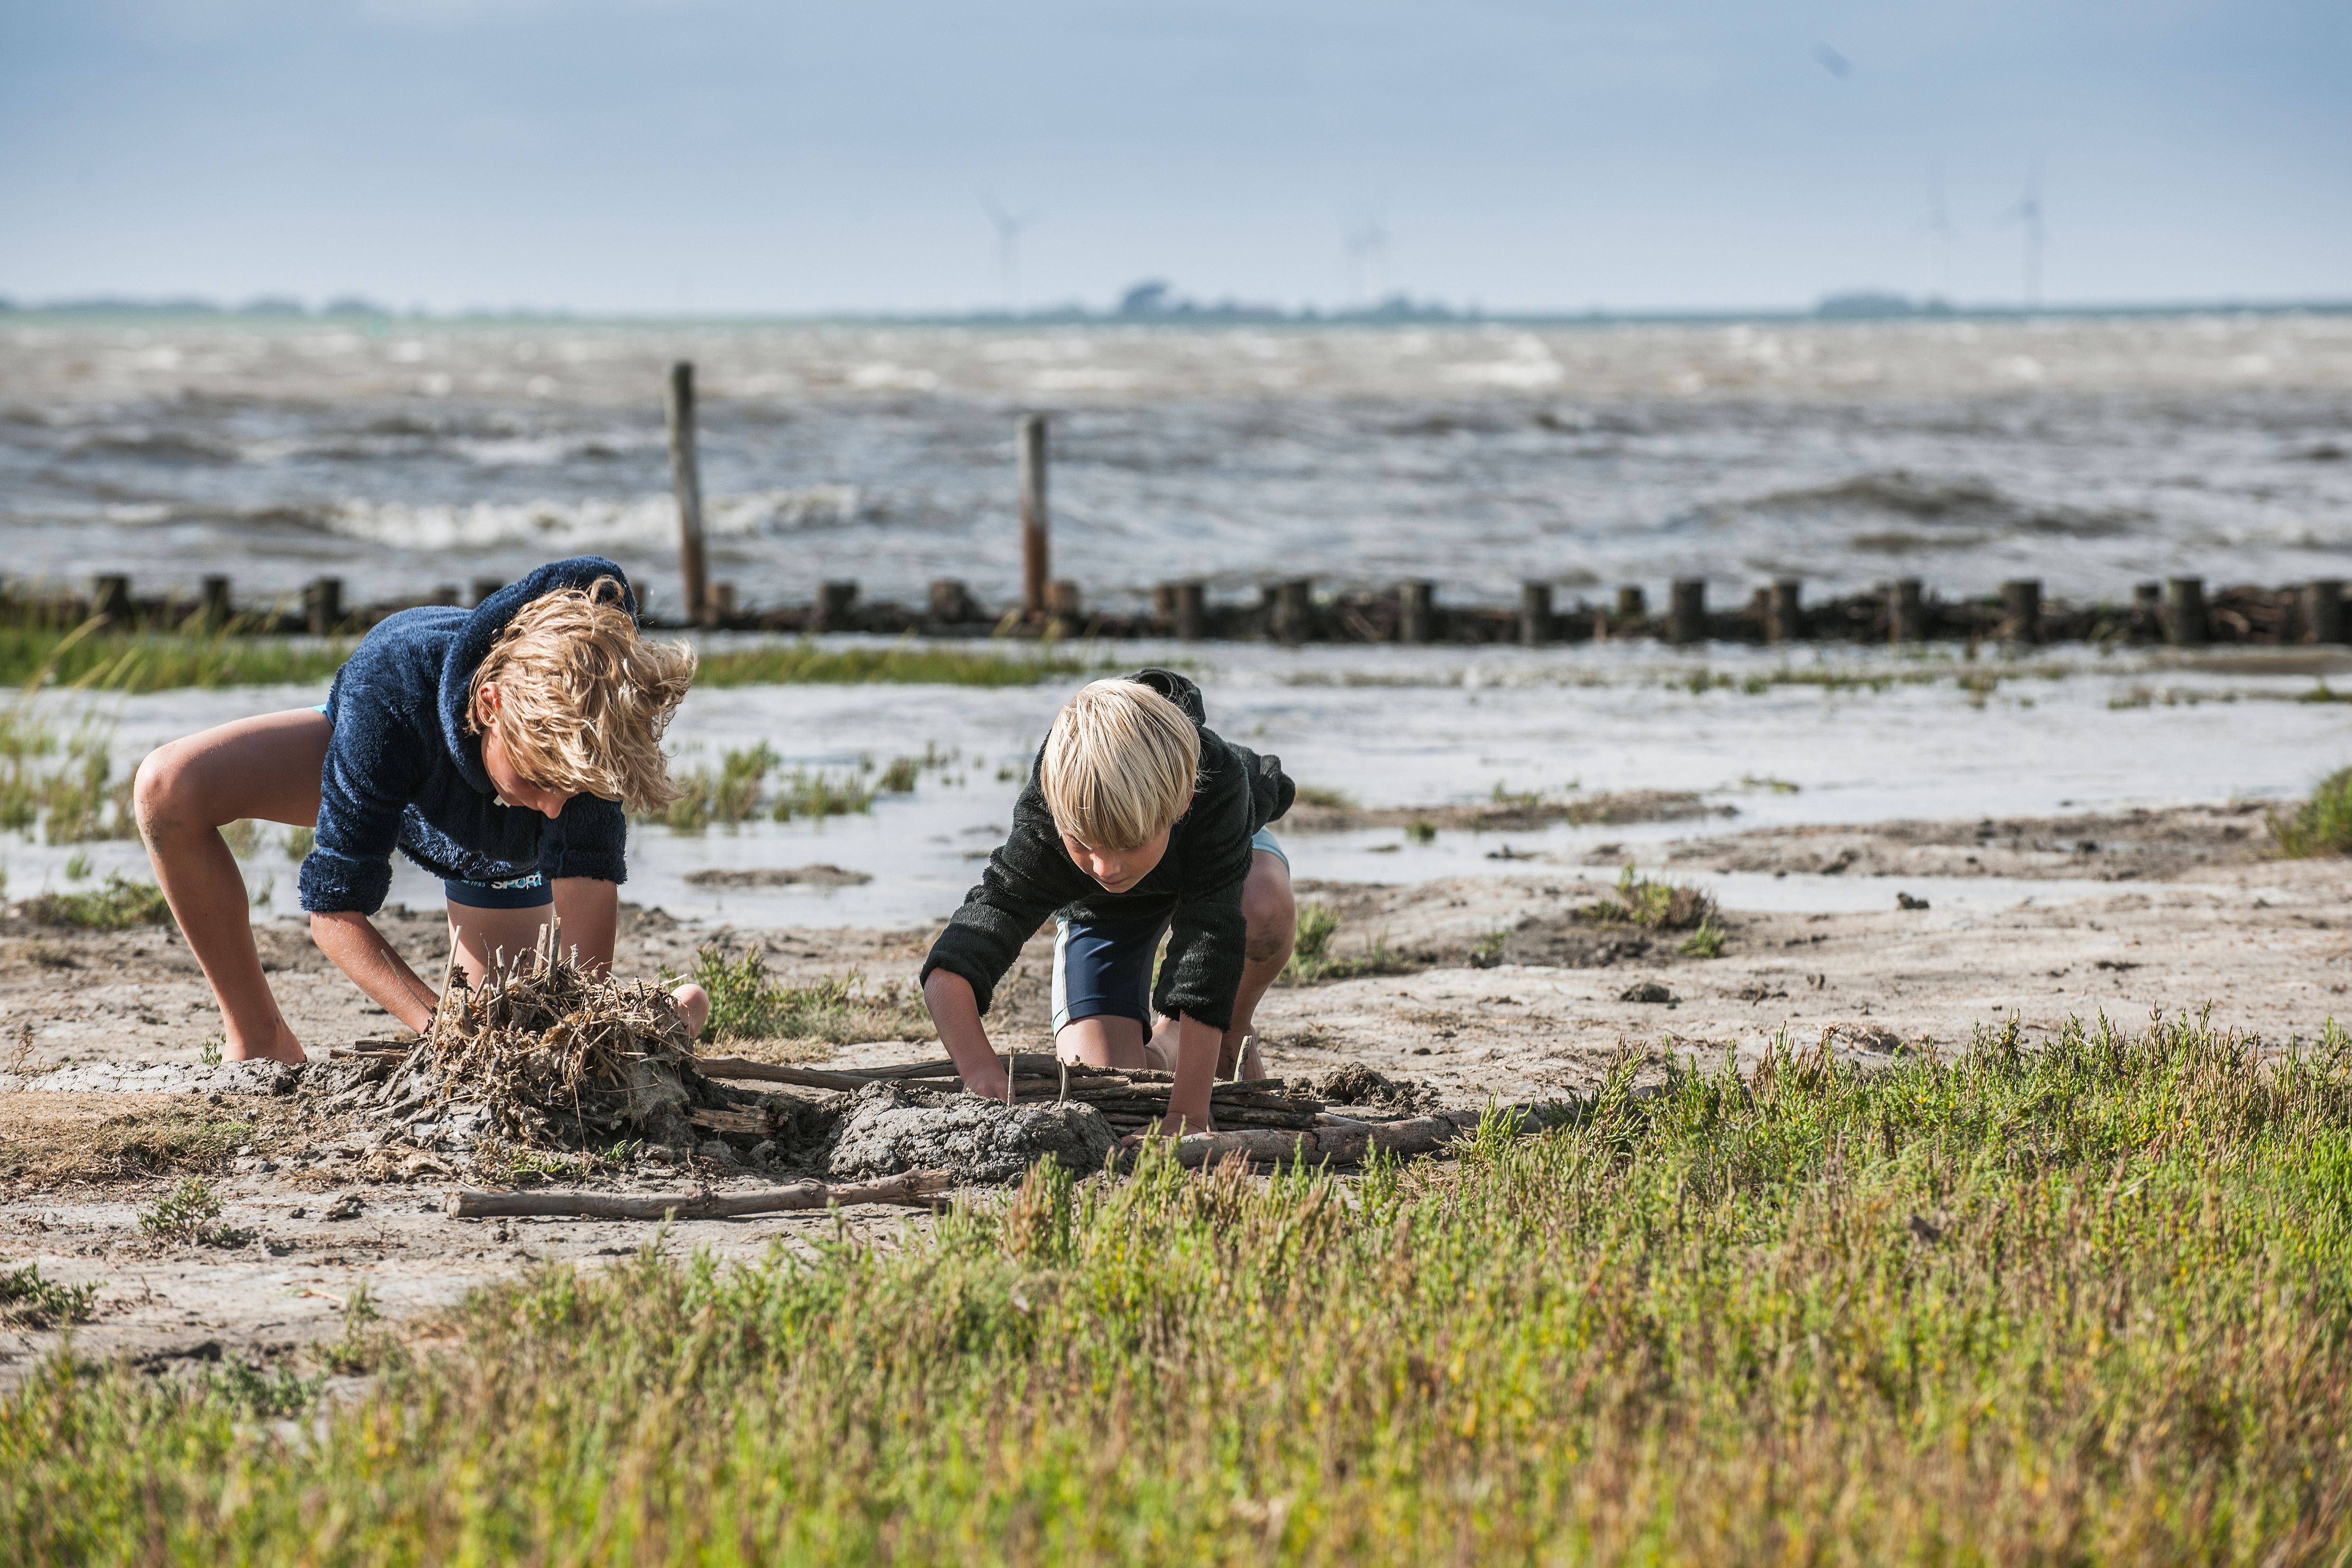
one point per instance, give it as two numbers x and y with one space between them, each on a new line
1273 919
1105 1041
265 767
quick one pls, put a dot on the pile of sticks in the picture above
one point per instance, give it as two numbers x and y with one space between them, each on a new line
1127 1097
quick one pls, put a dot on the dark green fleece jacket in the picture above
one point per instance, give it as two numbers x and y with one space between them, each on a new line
1032 878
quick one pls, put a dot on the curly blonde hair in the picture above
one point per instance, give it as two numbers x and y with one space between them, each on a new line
583 698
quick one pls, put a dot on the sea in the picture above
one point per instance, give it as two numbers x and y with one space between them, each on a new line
2093 453
408 456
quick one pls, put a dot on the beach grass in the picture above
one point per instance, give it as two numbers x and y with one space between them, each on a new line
162 660
2086 1304
749 1003
2321 825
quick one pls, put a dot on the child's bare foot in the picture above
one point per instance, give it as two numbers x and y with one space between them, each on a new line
693 1006
282 1047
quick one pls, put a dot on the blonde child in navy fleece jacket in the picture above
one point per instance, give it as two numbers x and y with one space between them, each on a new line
496 748
1137 821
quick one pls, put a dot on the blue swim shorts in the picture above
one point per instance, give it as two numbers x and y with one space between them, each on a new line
1103 968
531 891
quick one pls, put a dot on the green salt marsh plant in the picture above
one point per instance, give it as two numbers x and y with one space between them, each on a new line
2086 1302
118 904
2321 825
747 1002
1653 904
29 1301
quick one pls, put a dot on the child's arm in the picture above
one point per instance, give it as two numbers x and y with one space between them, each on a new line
1196 1075
360 950
955 1013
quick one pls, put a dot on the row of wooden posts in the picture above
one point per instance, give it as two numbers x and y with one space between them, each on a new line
2176 611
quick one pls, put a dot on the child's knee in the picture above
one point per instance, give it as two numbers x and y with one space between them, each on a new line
1272 917
159 793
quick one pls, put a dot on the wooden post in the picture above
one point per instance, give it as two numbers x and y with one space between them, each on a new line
2021 610
1535 614
1416 610
1294 609
2184 623
1062 600
1163 604
1191 611
1905 616
322 604
484 587
215 612
722 602
1784 611
1686 621
951 602
1035 553
1632 604
685 481
835 609
446 594
2323 610
110 595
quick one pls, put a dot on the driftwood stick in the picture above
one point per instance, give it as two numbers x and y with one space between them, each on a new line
774 1072
915 1189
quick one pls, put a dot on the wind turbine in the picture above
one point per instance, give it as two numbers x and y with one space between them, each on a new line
2027 214
1367 243
1008 242
1939 232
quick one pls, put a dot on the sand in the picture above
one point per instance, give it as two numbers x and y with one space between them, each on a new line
1499 989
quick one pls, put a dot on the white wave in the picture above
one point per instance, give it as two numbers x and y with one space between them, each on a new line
636 522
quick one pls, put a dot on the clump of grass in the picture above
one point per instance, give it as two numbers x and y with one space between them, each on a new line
84 800
1311 958
29 1301
299 842
749 1003
2320 825
901 776
1706 942
117 905
1655 905
813 793
1327 799
2086 1303
190 1212
78 866
807 664
135 662
1421 830
361 1346
728 795
1778 786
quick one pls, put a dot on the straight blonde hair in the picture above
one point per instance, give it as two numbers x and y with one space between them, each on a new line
1118 764
583 698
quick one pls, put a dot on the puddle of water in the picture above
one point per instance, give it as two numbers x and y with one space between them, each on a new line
1409 727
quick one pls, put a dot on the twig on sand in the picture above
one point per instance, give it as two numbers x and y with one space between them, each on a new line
914 1189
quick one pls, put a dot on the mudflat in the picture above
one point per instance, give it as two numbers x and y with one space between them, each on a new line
1524 987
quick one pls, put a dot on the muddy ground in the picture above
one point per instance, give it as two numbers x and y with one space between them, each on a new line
1487 987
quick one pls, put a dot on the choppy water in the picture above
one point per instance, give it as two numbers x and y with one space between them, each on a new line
2090 453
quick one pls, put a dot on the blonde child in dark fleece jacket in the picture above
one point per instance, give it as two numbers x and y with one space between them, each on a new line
1137 821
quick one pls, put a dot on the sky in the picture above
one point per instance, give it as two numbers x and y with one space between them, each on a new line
727 156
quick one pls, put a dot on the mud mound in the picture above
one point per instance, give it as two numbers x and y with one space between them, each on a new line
889 1128
544 1054
1359 1087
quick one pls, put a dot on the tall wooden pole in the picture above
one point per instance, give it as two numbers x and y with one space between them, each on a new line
1035 563
686 478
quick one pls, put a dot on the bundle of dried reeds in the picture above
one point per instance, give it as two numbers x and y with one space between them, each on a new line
555 1051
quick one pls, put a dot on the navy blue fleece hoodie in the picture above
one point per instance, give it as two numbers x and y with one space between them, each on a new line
401 772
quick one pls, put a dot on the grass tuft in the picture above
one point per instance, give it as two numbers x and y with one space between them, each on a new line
749 1003
1312 960
1657 906
2320 825
907 663
29 1301
190 1212
2085 1303
117 905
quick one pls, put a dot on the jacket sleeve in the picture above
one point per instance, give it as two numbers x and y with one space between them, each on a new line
1207 939
590 840
1016 895
370 774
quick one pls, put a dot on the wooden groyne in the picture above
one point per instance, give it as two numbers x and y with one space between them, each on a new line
1298 609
